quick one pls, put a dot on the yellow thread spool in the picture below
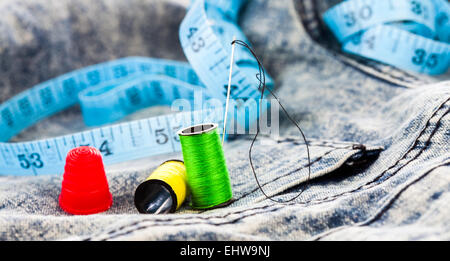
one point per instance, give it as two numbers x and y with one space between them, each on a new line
164 191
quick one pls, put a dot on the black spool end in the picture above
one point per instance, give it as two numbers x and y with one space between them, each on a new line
155 197
177 160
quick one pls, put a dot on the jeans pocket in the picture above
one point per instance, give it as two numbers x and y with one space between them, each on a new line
282 170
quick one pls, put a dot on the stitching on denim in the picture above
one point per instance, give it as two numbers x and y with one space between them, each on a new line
422 149
412 148
291 172
413 79
315 31
314 202
384 208
313 143
206 219
244 195
391 202
220 223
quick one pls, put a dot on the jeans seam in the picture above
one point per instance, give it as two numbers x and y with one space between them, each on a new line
290 172
205 219
388 204
367 222
314 143
404 81
246 194
374 181
396 196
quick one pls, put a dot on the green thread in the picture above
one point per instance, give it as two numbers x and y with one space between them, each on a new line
207 173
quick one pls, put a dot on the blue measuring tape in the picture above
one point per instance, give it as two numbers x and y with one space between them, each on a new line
409 34
109 91
207 30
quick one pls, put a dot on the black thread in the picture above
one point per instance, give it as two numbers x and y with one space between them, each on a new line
290 172
261 77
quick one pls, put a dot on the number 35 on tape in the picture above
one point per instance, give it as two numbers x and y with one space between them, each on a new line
409 34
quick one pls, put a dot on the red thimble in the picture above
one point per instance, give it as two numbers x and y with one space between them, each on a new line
85 187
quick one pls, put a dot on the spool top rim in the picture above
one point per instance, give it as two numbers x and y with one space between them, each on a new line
197 129
172 160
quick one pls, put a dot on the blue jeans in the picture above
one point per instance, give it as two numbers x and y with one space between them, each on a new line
379 137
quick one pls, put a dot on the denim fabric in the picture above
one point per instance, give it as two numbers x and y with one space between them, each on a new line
379 137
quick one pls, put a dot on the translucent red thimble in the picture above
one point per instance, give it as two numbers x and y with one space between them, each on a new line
85 187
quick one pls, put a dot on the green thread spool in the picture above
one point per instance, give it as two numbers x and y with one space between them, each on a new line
206 170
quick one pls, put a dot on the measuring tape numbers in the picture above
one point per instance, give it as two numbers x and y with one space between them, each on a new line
106 92
117 143
109 91
409 34
206 34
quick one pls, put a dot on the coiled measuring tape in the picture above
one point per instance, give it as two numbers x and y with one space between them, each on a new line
107 92
409 34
